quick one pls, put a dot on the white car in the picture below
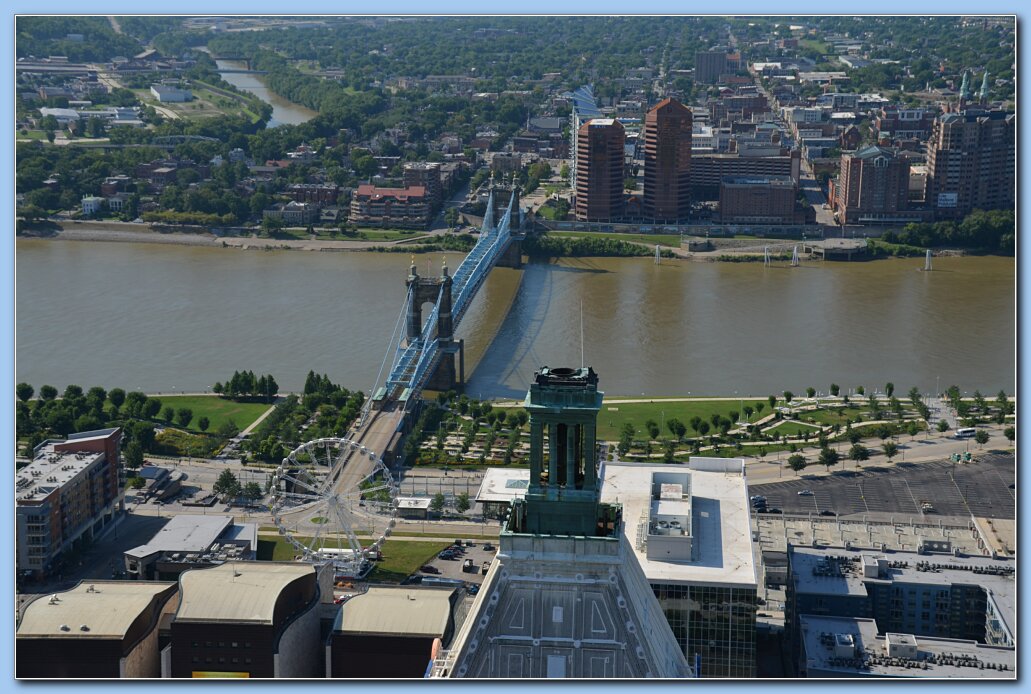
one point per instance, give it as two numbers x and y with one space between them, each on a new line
806 492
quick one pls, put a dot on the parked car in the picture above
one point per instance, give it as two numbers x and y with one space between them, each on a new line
446 555
773 510
468 566
806 492
470 543
828 513
488 547
473 589
429 569
342 599
756 498
485 567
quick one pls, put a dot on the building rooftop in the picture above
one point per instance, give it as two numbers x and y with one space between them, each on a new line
837 571
106 608
400 193
397 610
236 591
780 181
850 646
500 484
189 533
50 469
411 502
720 519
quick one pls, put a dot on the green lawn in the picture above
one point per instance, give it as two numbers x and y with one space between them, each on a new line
612 417
791 428
672 240
216 409
830 416
401 558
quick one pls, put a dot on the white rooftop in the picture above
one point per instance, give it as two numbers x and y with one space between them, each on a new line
943 657
413 502
721 527
107 611
501 484
184 533
50 470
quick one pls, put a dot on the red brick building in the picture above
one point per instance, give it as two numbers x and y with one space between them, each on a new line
599 170
406 208
667 162
760 200
872 186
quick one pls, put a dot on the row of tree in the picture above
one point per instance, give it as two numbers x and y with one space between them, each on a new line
244 385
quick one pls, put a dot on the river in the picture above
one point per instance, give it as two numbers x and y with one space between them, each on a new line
283 112
164 318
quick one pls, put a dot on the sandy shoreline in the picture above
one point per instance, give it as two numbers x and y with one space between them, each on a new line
127 232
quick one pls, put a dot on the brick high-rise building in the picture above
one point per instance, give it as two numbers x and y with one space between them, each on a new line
667 162
709 65
599 170
970 162
872 186
427 175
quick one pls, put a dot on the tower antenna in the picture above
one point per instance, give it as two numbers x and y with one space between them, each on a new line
581 333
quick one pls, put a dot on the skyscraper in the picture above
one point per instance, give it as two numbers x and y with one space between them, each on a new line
709 65
970 162
667 162
599 170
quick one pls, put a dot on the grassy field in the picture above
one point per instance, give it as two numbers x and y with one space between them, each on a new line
794 429
612 417
401 558
216 409
671 240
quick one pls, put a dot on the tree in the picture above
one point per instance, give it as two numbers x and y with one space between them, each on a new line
184 415
47 393
653 428
626 438
797 462
203 423
168 414
437 503
694 422
981 436
748 410
462 503
1010 433
889 388
703 428
227 485
788 395
677 428
860 390
451 217
134 402
227 429
829 457
151 408
116 396
772 400
759 408
252 491
890 449
943 426
835 389
133 458
810 392
858 453
913 428
24 392
669 448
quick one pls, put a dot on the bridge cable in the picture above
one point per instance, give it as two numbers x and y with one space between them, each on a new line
393 336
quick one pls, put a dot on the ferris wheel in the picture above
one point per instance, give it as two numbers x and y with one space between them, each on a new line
324 493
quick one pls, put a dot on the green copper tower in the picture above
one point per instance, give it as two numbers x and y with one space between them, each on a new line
562 497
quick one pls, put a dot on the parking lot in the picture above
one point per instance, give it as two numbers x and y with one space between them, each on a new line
452 568
982 488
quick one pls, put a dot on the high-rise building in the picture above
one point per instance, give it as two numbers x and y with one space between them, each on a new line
427 175
709 65
872 186
667 162
970 162
599 170
70 491
584 108
565 596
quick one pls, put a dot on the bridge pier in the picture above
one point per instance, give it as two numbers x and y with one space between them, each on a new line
512 256
446 376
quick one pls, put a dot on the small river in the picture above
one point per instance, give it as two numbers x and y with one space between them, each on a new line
158 318
283 112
